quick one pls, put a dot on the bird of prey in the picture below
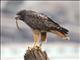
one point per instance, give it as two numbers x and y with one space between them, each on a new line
40 25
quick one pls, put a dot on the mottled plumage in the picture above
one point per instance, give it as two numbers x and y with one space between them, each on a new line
41 24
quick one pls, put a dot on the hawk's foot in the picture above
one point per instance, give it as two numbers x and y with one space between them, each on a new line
37 46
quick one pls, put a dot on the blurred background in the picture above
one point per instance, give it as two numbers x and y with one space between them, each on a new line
14 43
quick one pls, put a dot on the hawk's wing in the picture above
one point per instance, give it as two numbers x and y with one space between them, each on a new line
50 23
47 21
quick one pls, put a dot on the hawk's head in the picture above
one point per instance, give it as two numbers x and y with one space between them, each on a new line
20 15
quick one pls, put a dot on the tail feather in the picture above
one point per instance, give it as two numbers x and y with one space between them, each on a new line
63 30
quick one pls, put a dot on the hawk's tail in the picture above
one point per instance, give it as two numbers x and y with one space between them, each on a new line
62 32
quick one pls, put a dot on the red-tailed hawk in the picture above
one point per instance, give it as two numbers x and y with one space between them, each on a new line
40 25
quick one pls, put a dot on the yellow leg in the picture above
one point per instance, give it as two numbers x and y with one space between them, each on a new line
36 35
43 37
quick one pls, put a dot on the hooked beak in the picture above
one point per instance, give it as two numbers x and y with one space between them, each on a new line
17 17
